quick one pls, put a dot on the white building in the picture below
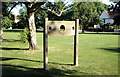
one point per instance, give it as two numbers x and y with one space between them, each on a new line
16 19
108 16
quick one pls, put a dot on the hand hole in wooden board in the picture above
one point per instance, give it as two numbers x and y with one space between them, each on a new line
73 28
50 28
62 28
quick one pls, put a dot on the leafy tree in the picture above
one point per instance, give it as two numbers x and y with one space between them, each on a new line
22 18
117 21
6 17
6 22
117 7
5 8
57 6
39 18
88 13
33 6
116 10
1 32
117 18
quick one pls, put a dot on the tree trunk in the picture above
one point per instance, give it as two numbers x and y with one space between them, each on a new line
32 31
83 27
1 34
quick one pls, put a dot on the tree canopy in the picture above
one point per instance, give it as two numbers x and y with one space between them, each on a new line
31 8
87 12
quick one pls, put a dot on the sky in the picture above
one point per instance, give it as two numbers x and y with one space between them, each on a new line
15 11
106 2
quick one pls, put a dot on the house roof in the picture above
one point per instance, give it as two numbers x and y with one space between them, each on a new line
112 14
109 14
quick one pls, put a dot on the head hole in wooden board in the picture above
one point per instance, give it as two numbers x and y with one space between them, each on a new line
62 28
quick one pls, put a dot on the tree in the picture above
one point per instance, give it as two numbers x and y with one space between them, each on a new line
117 10
5 8
57 6
88 13
117 20
22 18
6 18
6 22
1 32
33 6
39 18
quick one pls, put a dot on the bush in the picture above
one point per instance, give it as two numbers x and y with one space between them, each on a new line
7 22
24 36
116 27
111 27
41 28
80 27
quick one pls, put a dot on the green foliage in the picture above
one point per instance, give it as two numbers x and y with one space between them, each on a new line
41 28
57 7
7 22
116 27
116 9
80 27
22 18
101 22
39 18
24 36
5 6
111 27
88 13
90 28
117 20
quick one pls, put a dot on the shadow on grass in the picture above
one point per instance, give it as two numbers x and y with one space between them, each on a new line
5 48
21 71
13 30
5 59
10 40
102 33
117 50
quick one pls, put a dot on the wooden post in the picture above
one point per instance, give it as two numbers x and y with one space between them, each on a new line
76 43
1 31
45 45
104 26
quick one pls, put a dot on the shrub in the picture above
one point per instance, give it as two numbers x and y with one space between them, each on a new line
24 36
80 27
7 22
111 27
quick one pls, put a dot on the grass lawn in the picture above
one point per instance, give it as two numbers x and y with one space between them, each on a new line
98 55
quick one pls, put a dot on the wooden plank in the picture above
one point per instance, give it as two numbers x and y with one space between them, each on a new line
76 43
45 45
54 28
